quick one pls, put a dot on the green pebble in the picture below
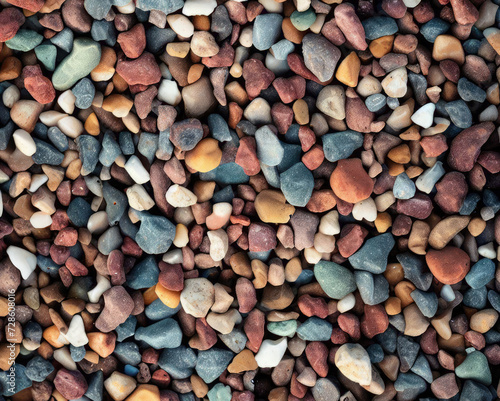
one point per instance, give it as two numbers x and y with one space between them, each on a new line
84 57
335 280
475 367
47 55
25 40
303 20
283 329
219 392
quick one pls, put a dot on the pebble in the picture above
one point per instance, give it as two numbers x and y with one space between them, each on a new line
354 362
271 352
320 56
335 280
341 145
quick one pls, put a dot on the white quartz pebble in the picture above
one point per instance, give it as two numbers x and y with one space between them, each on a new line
136 170
329 223
169 93
98 222
395 83
76 332
199 7
10 96
37 180
179 196
365 209
219 244
24 142
181 25
22 259
487 251
102 286
70 126
346 303
424 116
40 220
51 118
138 198
63 356
67 101
271 353
128 8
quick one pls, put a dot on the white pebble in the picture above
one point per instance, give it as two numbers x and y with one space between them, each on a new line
312 256
3 177
101 287
63 356
67 101
369 85
246 37
487 251
24 142
169 93
346 303
219 244
76 332
51 118
490 113
10 96
22 259
181 25
94 184
37 180
424 115
365 209
136 170
272 6
138 198
173 257
199 7
411 3
384 201
447 293
395 83
40 220
324 243
271 352
329 224
70 126
128 8
302 5
179 196
98 222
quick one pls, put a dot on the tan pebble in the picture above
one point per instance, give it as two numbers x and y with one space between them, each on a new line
92 125
145 392
348 70
178 49
200 388
383 222
11 69
119 105
390 366
119 83
271 206
5 353
441 323
417 242
301 112
381 46
276 274
416 323
400 154
483 320
222 299
393 306
204 190
240 264
455 344
195 72
403 290
25 114
260 271
74 169
414 171
243 362
448 47
394 273
293 269
106 67
205 156
476 226
203 44
444 231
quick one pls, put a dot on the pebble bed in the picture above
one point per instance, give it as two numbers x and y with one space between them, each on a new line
240 200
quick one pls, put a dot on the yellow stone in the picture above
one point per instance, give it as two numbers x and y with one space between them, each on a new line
168 297
145 392
271 206
448 47
301 111
92 125
243 362
383 222
205 156
400 154
150 295
119 105
348 70
200 388
178 49
483 320
381 46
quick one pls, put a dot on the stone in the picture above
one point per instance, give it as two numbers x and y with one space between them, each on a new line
341 145
197 296
320 56
71 384
350 182
266 30
297 184
271 352
335 280
163 334
449 265
354 362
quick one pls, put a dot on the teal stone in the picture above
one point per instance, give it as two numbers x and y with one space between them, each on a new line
286 328
37 369
475 367
226 174
144 274
271 175
416 270
20 383
494 299
404 187
481 273
427 302
315 329
297 184
219 128
422 368
341 145
373 254
337 281
155 234
126 329
116 202
282 49
84 57
472 390
476 297
303 20
47 55
128 353
178 362
64 39
96 384
212 363
164 334
25 40
293 154
266 30
219 392
89 148
373 288
269 148
110 240
407 352
409 386
376 27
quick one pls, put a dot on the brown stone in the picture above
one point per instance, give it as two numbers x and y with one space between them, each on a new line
449 265
350 182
